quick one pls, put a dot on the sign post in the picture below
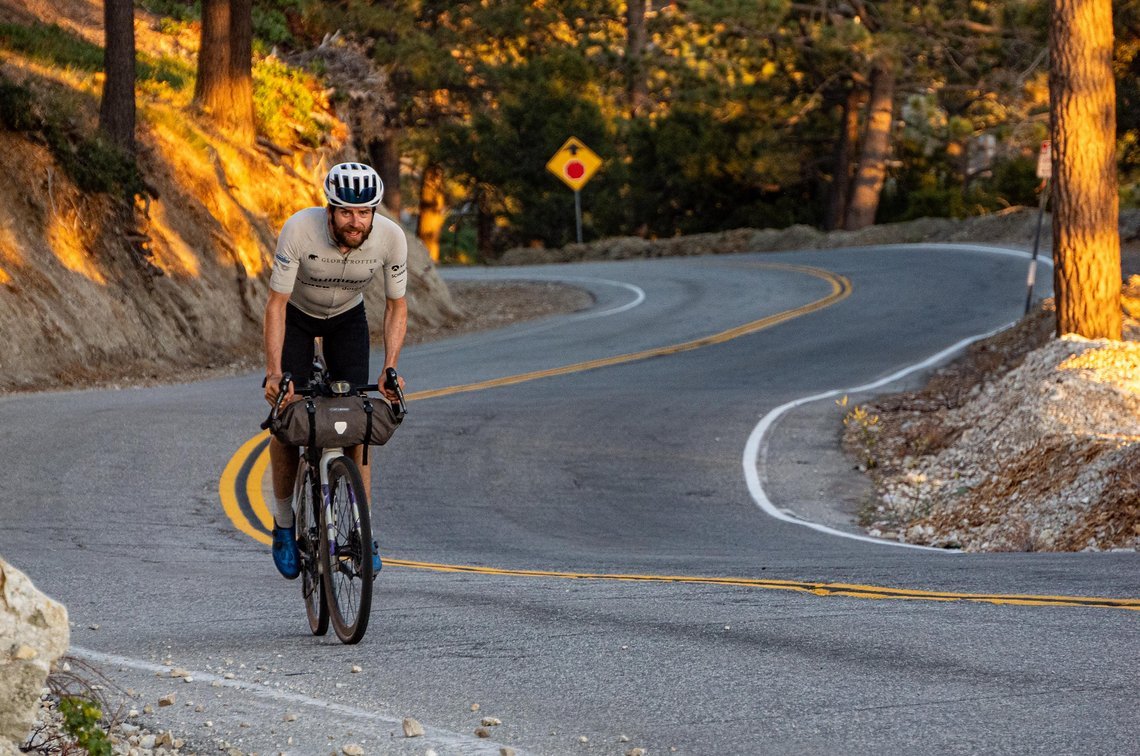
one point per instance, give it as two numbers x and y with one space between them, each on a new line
1044 172
575 163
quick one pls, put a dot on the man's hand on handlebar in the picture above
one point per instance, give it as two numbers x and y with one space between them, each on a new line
391 394
273 387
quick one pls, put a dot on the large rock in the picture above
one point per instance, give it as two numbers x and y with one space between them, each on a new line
33 634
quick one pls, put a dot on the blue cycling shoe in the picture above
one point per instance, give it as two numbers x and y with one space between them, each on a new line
285 553
376 563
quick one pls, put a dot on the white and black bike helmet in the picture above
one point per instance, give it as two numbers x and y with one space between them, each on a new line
353 185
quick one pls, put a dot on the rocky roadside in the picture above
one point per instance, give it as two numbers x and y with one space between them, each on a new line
1026 443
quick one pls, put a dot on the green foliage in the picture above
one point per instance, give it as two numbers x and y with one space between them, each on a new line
94 164
508 147
81 721
270 17
1126 65
166 70
52 45
741 125
865 427
179 10
698 174
17 112
57 47
286 103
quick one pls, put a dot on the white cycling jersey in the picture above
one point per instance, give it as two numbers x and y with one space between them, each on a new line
321 280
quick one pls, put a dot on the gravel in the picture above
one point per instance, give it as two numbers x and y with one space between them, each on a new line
1012 449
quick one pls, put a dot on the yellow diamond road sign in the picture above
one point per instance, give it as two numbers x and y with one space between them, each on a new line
574 163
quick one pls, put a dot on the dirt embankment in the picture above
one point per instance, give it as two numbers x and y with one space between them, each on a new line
93 290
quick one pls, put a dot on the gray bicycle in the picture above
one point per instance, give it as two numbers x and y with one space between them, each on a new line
333 522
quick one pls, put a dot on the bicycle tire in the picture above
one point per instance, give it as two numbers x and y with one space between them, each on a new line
308 544
346 552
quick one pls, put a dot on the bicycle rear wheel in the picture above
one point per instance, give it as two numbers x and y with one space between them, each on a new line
308 543
346 552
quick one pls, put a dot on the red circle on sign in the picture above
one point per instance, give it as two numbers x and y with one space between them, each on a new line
575 170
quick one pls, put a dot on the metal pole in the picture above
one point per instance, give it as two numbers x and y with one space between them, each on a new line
1032 277
578 213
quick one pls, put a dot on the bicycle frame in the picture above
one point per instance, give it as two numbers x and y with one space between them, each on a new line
344 549
323 494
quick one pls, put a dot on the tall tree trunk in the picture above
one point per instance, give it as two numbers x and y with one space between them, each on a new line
385 157
1082 109
211 90
637 90
117 108
241 117
840 186
872 171
484 222
224 89
433 206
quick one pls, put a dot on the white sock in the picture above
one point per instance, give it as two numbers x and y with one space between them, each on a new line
283 512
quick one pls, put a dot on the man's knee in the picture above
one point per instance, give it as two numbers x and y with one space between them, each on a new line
279 452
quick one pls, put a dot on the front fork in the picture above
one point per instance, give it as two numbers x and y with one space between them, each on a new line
327 456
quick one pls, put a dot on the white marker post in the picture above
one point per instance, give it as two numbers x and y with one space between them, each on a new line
1044 172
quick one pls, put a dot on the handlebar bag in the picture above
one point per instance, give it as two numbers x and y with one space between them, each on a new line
324 422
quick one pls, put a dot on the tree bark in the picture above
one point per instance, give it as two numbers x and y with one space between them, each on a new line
1082 108
385 157
117 107
433 206
224 89
637 89
210 89
872 171
484 222
840 187
241 118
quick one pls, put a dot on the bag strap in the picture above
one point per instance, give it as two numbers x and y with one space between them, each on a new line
368 427
311 408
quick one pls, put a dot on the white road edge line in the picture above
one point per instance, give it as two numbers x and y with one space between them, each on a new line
453 742
638 294
756 449
639 297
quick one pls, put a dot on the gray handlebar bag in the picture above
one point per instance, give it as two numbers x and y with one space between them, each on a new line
324 422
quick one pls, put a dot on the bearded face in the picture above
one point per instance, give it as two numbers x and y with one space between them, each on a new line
351 225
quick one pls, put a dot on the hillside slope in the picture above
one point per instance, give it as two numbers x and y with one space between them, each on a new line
90 287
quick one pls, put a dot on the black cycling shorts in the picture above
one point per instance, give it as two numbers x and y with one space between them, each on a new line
345 345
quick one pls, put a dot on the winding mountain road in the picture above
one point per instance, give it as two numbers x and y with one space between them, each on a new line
579 538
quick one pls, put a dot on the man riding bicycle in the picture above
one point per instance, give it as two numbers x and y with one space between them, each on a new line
325 258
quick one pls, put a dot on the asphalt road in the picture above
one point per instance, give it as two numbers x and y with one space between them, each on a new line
619 462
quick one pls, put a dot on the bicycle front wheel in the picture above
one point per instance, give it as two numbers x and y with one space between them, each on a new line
308 544
346 551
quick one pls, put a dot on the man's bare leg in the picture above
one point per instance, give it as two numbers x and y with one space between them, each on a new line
356 453
283 460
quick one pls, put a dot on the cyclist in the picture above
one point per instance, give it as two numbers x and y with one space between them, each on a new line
325 258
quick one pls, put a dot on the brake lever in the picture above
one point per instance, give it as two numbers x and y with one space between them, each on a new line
286 379
392 383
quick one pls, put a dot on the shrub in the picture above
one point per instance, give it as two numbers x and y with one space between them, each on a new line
288 104
81 721
17 111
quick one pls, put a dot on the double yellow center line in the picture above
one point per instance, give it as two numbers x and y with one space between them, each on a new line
240 486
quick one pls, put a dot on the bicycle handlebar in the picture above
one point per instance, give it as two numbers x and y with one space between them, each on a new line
286 379
391 382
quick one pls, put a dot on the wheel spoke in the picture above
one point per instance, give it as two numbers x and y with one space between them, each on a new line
349 566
